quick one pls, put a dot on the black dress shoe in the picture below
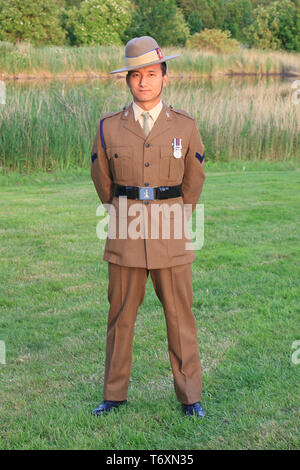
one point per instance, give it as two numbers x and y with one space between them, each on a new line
107 406
194 409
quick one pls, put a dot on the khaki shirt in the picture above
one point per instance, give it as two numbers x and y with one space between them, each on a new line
121 154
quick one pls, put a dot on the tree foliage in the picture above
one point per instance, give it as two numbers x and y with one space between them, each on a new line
238 16
194 22
276 26
98 22
265 24
32 21
202 8
161 19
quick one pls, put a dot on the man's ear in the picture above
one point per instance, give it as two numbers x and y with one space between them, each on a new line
165 79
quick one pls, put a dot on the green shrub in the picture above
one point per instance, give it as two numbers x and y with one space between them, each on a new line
213 40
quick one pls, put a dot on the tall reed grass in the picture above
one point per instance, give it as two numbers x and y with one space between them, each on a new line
23 59
52 126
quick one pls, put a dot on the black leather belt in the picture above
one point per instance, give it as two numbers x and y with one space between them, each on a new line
143 193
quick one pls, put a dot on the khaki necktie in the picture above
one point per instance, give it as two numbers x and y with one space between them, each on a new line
147 124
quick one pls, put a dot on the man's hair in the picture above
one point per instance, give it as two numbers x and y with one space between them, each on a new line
163 70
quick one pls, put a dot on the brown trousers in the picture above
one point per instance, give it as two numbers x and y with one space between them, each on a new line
126 290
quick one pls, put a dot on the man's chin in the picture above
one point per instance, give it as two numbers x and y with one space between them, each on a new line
145 98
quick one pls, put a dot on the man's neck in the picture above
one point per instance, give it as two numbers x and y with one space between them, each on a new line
147 106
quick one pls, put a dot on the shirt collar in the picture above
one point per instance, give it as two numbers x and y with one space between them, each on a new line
154 112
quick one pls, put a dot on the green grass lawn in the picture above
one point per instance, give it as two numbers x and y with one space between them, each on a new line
54 306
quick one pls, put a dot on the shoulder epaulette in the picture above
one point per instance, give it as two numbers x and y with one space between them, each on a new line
107 115
181 111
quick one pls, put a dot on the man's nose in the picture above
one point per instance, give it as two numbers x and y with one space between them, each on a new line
142 81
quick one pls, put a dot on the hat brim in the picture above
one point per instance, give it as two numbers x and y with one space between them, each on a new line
164 59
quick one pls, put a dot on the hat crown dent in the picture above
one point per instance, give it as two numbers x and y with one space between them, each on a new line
139 46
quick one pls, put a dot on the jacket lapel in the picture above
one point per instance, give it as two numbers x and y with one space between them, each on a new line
131 124
162 123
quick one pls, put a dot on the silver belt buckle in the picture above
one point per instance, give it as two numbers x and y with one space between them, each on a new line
146 193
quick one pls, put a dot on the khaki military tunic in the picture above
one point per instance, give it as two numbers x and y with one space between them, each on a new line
122 155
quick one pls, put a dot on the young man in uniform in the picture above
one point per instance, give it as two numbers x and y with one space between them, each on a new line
152 155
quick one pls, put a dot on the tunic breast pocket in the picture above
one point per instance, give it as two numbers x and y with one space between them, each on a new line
121 162
171 169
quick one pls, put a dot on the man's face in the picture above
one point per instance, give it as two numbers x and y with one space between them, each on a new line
146 85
